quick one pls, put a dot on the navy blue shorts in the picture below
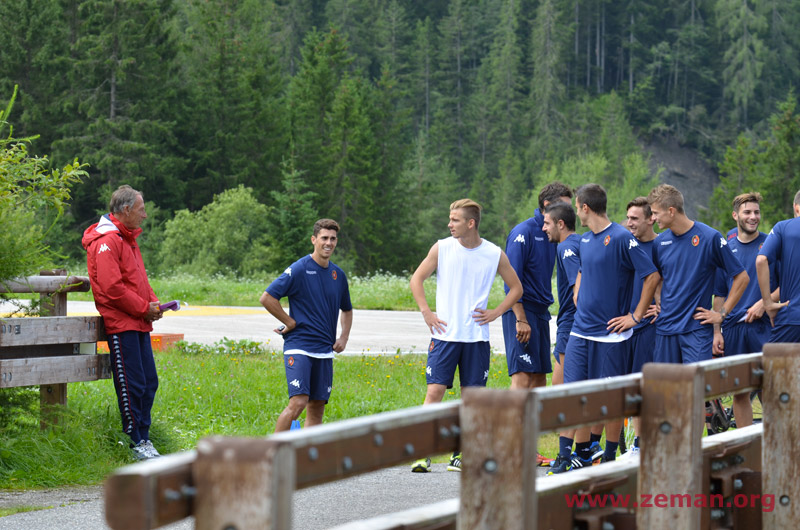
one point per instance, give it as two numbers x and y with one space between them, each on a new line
589 359
685 348
533 356
562 338
309 376
471 358
785 333
743 337
640 348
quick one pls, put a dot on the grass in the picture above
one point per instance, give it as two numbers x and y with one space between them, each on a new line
376 291
21 509
232 388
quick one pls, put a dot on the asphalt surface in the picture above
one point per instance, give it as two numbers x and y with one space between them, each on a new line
386 491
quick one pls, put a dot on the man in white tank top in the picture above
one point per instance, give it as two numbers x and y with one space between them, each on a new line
465 266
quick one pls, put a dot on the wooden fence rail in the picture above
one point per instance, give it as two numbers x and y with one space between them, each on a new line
238 484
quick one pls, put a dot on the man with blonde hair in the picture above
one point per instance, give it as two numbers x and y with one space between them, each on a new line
465 266
688 254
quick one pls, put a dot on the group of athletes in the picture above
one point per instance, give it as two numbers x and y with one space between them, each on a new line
627 296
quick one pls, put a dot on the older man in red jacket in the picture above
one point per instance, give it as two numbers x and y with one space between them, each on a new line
128 305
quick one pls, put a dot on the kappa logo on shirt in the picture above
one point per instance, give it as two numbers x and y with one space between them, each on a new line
428 370
722 242
486 375
568 253
103 248
525 357
520 239
632 243
295 383
288 271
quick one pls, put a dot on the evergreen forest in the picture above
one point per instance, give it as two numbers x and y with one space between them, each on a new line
243 121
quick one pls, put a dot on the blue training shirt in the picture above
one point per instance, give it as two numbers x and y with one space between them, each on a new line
783 245
533 257
316 294
568 264
746 254
648 247
610 262
688 264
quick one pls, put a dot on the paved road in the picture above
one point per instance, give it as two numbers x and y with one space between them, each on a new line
385 491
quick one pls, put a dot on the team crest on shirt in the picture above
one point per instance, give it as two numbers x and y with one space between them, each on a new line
761 245
607 240
290 361
430 347
695 241
334 275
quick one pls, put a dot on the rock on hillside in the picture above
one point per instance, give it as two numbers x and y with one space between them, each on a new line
685 169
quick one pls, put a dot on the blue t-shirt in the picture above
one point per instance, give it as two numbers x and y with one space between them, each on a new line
648 247
533 257
316 294
746 254
688 264
568 264
611 261
783 245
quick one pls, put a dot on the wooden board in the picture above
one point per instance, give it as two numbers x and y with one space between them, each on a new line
53 370
50 330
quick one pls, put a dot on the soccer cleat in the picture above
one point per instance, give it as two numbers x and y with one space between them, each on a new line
577 462
153 452
596 451
560 465
423 465
455 463
543 461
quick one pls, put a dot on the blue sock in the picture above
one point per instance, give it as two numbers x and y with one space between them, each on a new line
564 446
583 450
595 438
611 450
636 441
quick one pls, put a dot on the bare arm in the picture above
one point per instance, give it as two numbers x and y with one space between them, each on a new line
347 322
771 306
718 346
506 271
422 273
708 316
273 305
576 288
629 320
523 326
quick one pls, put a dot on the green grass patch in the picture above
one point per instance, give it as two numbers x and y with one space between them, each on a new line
232 388
21 509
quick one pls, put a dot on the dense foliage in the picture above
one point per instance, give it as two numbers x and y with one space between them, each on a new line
379 113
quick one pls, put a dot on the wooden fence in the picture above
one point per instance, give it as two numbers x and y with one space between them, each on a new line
53 350
239 484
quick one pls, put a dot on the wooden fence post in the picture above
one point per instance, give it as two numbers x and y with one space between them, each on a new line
671 461
243 484
499 433
780 468
54 395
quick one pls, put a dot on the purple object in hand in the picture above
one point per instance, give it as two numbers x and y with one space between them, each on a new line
174 305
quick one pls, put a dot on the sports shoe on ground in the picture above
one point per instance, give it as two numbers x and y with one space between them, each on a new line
423 465
596 450
632 452
141 451
577 462
604 459
543 461
455 463
560 465
153 451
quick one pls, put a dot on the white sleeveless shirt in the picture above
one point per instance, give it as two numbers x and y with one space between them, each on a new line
464 277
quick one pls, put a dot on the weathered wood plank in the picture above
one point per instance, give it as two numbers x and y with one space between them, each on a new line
50 330
671 461
781 398
47 284
53 370
246 484
499 431
438 516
